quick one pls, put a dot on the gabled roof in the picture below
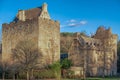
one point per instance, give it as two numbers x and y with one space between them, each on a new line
32 13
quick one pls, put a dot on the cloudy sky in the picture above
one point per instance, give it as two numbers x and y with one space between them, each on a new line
74 15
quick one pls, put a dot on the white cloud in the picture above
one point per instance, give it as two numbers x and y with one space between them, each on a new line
83 22
72 20
62 26
74 23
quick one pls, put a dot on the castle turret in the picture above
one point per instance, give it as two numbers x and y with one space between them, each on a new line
21 15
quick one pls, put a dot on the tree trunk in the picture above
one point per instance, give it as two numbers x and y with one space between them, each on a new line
3 76
32 74
17 76
27 75
13 76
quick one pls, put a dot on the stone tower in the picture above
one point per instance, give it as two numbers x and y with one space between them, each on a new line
34 24
109 42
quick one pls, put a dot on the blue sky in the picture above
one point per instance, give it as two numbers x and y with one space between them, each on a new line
74 15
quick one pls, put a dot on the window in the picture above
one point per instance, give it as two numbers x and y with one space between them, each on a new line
97 44
90 43
87 43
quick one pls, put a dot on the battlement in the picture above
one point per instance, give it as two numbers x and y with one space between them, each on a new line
16 25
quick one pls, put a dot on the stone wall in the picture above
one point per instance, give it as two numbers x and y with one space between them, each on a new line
14 32
49 39
34 24
109 42
44 32
98 55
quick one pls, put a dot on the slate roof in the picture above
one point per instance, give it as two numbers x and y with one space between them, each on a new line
32 13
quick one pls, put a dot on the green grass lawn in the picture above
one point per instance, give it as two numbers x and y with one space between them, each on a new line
114 78
103 79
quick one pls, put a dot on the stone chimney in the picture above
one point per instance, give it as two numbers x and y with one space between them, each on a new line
21 15
44 13
44 7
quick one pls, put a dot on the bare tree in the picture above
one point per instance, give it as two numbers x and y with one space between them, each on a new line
26 55
5 67
65 43
14 70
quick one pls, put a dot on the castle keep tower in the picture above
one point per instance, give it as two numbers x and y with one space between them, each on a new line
34 24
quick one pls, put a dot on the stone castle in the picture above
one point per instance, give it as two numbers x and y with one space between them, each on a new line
36 25
96 55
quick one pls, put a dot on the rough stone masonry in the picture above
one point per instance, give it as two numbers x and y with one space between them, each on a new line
36 25
96 55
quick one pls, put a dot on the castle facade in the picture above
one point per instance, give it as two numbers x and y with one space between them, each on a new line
36 25
96 55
